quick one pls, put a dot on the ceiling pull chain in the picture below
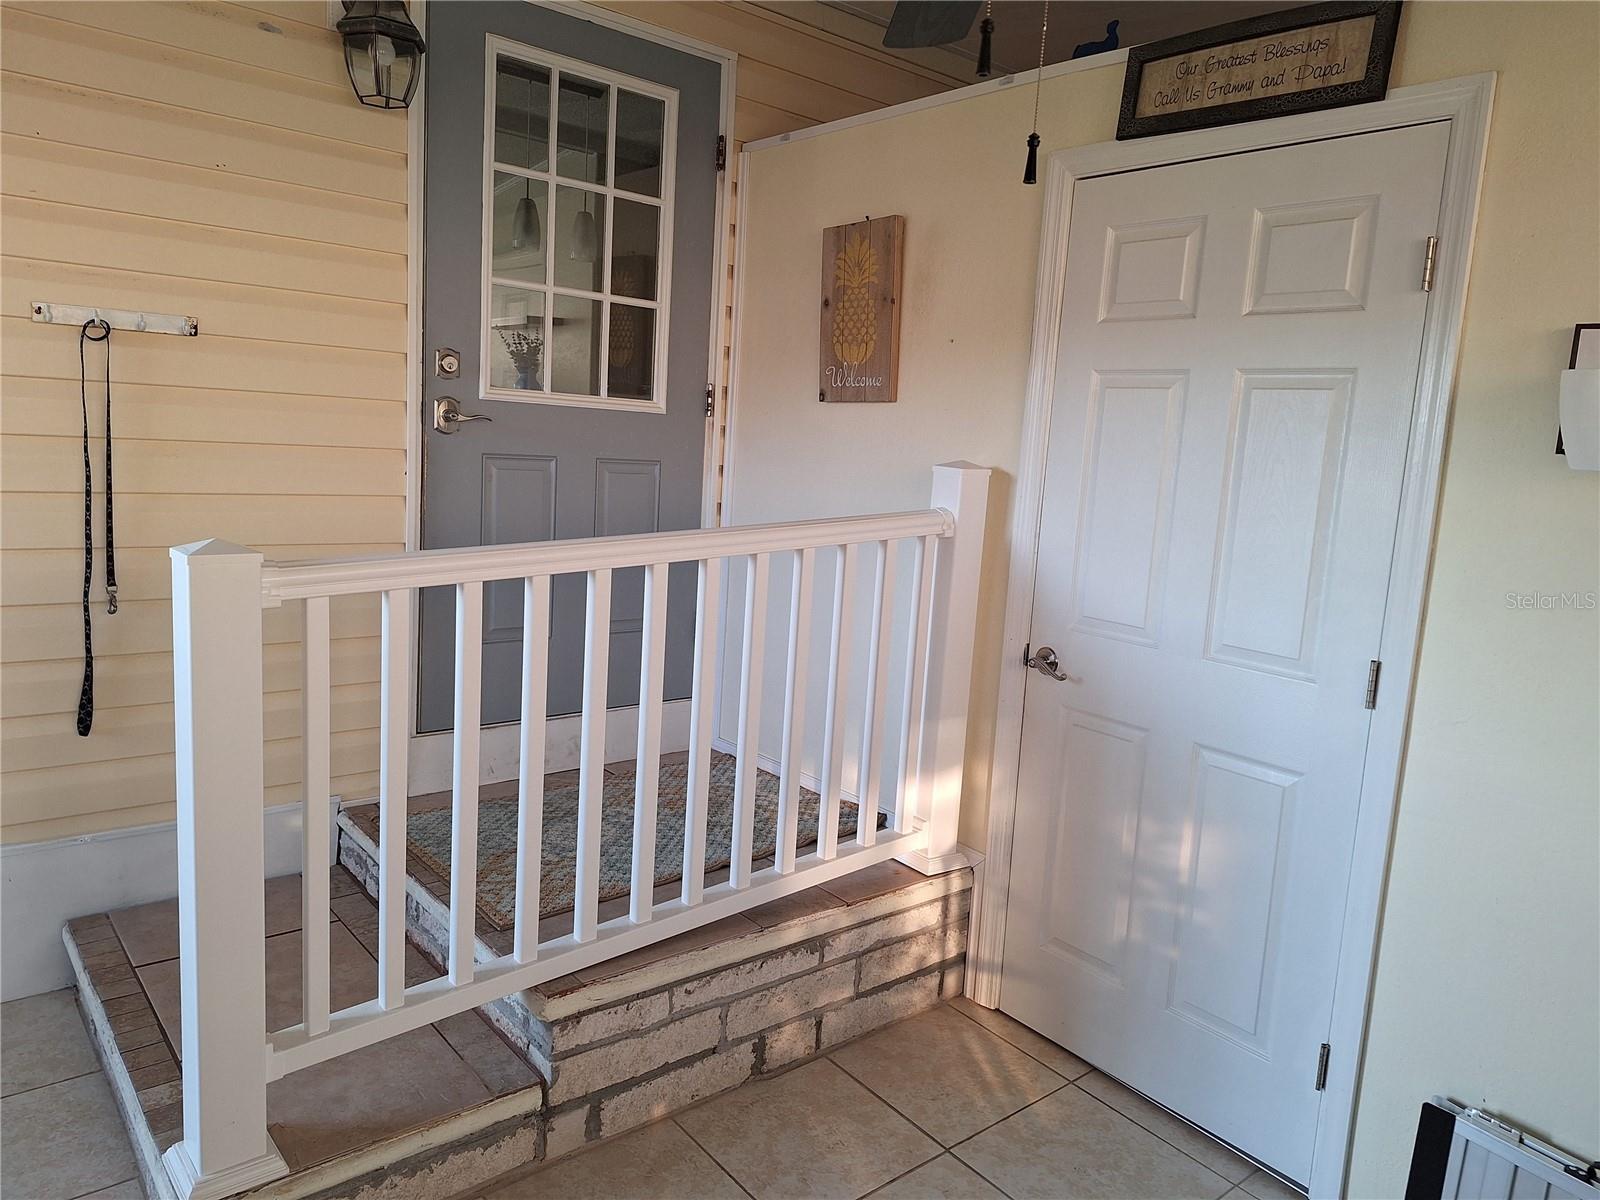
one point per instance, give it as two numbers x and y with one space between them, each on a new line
986 43
1030 173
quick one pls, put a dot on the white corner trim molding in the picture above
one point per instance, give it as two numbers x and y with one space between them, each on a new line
43 885
1467 104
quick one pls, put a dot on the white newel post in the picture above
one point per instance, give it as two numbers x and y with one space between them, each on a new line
216 658
962 489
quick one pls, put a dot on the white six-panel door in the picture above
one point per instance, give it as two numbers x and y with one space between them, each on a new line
1240 341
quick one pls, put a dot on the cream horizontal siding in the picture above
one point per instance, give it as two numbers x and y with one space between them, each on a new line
209 159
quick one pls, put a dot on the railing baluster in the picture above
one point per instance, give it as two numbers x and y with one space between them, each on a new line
833 736
395 739
530 779
592 756
746 768
869 776
794 709
708 615
910 775
647 765
464 783
315 732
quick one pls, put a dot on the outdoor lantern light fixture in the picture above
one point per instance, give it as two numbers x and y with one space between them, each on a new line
382 51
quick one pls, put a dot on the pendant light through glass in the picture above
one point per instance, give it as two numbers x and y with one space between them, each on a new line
585 245
527 231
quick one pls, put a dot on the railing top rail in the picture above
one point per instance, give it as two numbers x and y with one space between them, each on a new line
469 564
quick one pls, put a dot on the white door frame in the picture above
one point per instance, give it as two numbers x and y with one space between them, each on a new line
1466 103
429 750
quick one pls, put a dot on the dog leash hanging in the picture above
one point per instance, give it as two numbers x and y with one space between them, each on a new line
94 330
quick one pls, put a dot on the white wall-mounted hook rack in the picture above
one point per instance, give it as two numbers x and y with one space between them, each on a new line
117 318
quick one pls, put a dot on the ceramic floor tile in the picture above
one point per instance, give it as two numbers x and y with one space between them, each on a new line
813 1132
945 1178
1069 1146
1059 1060
658 1162
352 978
62 1140
873 881
791 908
128 1189
1169 1128
1264 1185
44 1042
947 1074
377 1092
149 932
499 1066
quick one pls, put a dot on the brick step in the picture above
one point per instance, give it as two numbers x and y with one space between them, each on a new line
633 1039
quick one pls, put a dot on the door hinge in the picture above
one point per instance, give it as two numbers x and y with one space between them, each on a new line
1374 669
1322 1066
1428 261
722 152
711 392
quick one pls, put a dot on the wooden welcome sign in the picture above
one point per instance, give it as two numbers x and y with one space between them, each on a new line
1320 56
860 359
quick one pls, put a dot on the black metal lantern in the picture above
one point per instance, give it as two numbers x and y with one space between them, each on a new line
382 51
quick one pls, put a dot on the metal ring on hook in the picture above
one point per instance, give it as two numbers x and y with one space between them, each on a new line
97 323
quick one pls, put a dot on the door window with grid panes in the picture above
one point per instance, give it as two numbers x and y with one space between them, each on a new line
578 228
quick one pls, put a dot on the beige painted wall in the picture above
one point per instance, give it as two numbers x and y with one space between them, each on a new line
210 159
1488 985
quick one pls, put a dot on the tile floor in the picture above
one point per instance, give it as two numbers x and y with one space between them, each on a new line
60 1134
958 1102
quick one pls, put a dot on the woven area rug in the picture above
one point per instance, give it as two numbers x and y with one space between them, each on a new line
428 836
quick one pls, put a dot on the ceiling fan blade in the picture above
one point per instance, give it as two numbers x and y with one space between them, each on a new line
917 23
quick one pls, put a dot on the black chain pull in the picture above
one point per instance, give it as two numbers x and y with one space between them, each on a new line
94 330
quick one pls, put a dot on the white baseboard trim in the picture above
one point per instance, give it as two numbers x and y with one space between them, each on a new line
499 751
43 885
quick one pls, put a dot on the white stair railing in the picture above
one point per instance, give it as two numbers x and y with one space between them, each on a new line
219 591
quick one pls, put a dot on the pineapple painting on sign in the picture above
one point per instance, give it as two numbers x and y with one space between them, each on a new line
860 349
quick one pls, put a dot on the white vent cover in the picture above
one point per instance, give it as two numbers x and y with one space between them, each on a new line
1464 1154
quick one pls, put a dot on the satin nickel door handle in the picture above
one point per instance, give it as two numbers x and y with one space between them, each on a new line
447 415
1046 663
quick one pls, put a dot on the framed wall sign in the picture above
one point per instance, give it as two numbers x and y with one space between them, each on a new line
860 352
1299 60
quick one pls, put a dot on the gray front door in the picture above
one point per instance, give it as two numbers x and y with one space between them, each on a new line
581 313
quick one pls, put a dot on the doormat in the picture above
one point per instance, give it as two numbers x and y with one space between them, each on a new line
428 835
